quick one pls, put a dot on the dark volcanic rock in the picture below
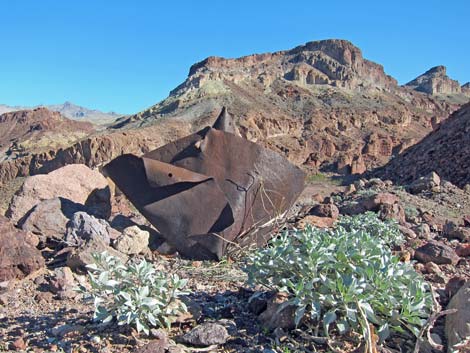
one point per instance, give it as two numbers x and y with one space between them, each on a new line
436 252
18 257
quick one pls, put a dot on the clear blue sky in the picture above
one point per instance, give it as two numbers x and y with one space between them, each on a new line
127 55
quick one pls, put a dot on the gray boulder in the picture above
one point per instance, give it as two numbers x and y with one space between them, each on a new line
457 327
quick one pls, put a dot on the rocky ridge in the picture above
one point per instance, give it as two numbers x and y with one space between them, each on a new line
38 130
435 81
446 151
71 111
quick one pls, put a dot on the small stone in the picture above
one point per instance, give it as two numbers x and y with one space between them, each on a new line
19 344
132 241
407 232
431 267
65 329
350 189
320 222
466 220
452 230
206 334
463 250
95 339
44 297
158 345
63 283
272 318
454 284
257 304
325 210
430 182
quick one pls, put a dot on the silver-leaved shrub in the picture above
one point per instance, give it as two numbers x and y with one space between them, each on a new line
134 294
345 278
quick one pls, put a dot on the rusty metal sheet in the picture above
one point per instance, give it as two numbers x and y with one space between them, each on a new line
209 189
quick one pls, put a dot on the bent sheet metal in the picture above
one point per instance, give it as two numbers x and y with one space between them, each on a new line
209 189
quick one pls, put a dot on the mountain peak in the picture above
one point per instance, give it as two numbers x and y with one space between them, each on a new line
435 81
330 62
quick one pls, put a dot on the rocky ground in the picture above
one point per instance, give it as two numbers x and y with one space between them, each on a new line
40 311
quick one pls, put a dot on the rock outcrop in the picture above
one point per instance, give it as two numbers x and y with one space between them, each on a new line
445 151
435 81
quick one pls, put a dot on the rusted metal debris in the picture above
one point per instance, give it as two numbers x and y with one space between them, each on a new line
209 189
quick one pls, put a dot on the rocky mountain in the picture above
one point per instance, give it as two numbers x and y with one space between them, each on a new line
71 111
322 104
446 151
26 131
435 81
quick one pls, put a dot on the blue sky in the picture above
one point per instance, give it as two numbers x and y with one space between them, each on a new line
127 55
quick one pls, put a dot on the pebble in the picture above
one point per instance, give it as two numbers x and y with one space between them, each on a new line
95 339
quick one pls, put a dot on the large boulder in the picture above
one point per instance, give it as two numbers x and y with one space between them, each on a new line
457 326
49 218
430 182
18 256
75 182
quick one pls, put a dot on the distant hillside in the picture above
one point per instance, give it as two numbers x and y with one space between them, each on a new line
446 151
32 131
72 111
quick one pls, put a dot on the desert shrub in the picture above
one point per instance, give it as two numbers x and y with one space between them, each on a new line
345 278
133 294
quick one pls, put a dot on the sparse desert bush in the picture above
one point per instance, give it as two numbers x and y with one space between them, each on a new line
346 278
133 294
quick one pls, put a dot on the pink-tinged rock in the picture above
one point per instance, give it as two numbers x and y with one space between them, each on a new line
75 182
18 257
463 250
325 210
374 202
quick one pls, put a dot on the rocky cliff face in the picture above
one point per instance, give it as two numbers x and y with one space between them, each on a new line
445 151
435 81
